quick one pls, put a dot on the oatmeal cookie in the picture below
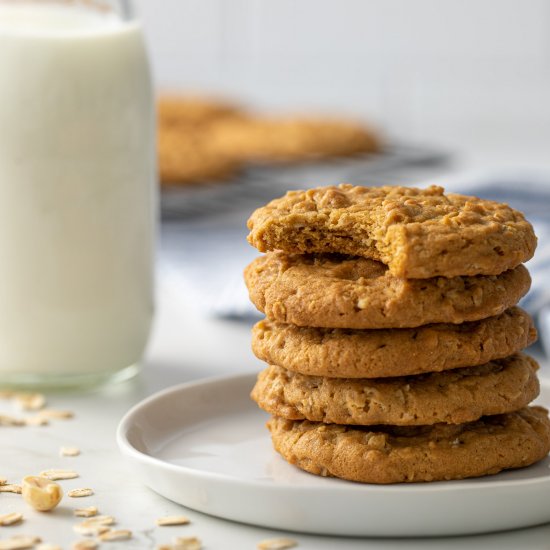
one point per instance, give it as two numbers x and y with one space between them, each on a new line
185 157
450 397
418 233
415 453
189 110
343 292
348 353
290 140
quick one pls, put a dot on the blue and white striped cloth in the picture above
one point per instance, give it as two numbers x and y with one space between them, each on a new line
530 195
202 260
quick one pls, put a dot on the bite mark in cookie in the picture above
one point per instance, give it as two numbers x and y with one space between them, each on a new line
418 233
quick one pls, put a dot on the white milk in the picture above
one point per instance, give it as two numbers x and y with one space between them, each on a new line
76 192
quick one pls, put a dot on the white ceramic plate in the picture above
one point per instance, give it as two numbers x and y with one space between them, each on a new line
204 445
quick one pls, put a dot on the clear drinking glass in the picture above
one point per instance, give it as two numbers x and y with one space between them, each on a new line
77 192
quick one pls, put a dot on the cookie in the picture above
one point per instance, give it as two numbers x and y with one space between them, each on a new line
290 140
349 353
415 453
418 233
188 110
452 397
185 157
343 292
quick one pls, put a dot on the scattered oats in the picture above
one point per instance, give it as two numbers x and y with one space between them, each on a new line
19 542
182 543
33 538
47 546
95 525
277 544
6 420
6 394
84 545
56 414
100 520
36 420
69 451
112 535
30 401
10 488
55 475
11 519
86 512
93 529
186 543
41 493
173 520
3 481
83 492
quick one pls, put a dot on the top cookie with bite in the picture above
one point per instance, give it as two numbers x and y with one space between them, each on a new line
418 233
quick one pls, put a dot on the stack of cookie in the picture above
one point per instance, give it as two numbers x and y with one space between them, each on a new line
392 334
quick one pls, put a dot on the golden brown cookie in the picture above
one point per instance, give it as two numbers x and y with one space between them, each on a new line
185 157
288 140
452 397
349 353
342 292
418 233
415 453
189 110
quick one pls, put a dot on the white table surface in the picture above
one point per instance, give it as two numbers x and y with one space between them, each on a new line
184 346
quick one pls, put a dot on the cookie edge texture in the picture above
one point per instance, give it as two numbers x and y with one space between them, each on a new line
362 456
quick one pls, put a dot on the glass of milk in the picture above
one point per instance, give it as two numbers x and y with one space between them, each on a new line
77 192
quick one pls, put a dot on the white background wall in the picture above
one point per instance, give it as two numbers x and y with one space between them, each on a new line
433 70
